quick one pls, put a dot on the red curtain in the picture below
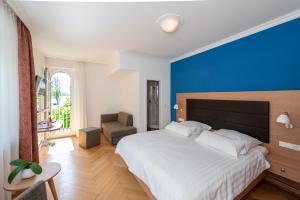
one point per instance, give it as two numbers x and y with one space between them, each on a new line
28 144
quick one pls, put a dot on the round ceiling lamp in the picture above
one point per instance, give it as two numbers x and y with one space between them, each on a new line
169 23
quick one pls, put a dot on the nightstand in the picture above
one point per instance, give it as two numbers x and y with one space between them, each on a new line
179 119
285 166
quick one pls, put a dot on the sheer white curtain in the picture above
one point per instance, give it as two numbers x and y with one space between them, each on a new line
79 119
9 93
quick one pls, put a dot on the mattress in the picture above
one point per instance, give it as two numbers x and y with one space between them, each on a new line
177 168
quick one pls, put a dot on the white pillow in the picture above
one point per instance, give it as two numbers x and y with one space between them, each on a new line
198 126
261 149
247 141
220 143
180 129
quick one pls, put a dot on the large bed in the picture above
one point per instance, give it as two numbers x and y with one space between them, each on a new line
174 167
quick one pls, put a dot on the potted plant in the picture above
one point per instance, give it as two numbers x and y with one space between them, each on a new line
27 169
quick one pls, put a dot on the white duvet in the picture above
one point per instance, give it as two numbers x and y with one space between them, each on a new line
178 168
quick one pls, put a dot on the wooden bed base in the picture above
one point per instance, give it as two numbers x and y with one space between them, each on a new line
240 196
251 186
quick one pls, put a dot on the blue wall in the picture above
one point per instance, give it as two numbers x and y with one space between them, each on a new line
268 60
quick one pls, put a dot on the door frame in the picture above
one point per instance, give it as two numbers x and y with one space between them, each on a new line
146 103
69 72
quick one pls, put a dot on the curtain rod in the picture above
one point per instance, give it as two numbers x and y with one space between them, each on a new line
8 5
17 11
12 8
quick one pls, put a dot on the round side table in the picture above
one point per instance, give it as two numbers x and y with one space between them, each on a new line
50 170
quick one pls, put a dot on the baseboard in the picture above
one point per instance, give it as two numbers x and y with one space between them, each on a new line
283 183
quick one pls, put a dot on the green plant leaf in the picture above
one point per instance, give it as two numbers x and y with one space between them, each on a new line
19 162
14 173
36 168
27 166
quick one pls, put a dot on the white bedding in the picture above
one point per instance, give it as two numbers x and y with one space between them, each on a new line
177 168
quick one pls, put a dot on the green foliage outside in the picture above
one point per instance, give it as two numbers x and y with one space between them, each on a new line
63 113
56 92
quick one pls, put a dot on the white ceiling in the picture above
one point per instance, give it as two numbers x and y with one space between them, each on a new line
90 31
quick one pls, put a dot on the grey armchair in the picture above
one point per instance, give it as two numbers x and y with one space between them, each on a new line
35 192
116 126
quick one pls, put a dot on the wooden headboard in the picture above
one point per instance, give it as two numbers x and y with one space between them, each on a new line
280 101
249 117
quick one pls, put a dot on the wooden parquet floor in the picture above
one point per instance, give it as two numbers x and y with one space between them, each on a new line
99 174
95 173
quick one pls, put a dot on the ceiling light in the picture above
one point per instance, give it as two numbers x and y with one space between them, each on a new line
169 22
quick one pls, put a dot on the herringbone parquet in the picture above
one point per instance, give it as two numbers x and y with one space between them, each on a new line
95 173
99 174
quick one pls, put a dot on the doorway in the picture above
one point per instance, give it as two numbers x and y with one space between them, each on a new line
152 105
60 102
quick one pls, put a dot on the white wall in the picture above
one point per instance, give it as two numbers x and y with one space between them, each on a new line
106 92
122 86
149 68
130 93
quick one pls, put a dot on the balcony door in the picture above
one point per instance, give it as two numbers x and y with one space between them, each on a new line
60 102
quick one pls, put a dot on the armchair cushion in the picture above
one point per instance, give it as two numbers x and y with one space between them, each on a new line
116 129
125 119
111 126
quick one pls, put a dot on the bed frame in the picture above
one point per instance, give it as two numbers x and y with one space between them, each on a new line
248 117
239 197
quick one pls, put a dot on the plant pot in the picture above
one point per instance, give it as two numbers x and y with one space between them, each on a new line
27 173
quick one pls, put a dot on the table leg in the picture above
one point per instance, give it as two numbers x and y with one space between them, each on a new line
52 188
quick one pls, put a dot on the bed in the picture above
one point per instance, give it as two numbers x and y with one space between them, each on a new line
177 168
